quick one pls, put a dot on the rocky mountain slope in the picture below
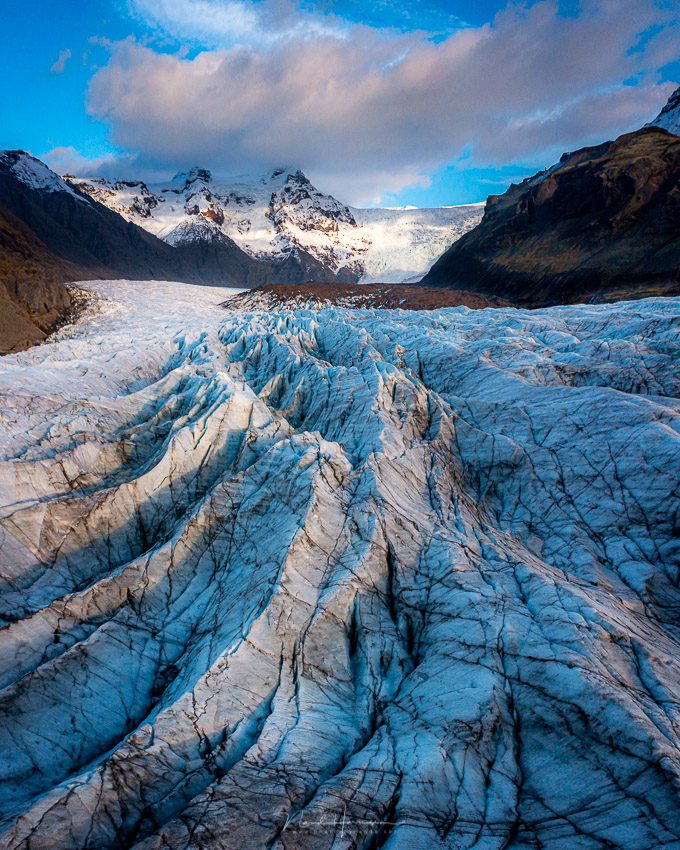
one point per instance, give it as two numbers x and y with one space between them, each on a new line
32 298
341 579
282 215
387 296
603 223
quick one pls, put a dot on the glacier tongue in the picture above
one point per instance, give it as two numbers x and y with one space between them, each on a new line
341 579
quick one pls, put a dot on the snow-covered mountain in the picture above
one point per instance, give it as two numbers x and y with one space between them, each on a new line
33 173
96 240
669 117
276 215
341 579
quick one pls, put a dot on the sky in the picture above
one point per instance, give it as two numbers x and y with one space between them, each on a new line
428 102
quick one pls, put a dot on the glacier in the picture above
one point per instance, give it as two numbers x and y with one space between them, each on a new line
333 578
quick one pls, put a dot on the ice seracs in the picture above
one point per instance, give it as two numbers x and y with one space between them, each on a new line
341 578
275 215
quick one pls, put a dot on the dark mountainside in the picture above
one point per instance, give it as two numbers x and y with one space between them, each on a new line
603 224
33 298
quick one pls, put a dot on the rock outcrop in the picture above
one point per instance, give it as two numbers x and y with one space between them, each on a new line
338 579
604 224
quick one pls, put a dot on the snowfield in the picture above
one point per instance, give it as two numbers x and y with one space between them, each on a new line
669 117
341 578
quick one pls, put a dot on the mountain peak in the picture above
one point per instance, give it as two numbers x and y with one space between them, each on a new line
280 174
300 176
33 173
669 117
195 173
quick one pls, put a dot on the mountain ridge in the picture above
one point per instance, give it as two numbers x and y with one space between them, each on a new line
602 223
669 117
275 215
79 228
81 231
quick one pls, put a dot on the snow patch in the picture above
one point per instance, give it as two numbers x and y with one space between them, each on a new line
669 117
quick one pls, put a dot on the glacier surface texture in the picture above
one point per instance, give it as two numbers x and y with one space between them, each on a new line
317 579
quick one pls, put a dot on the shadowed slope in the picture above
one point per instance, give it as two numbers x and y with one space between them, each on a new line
33 299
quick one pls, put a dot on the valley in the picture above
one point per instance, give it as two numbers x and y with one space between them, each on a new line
336 528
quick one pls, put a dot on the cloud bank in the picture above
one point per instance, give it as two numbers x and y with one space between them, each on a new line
367 111
67 160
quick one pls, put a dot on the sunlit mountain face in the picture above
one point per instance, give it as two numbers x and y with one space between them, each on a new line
276 214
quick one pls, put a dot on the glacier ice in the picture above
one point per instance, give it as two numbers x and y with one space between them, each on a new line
341 578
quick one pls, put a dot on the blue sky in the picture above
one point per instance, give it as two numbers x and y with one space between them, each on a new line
424 103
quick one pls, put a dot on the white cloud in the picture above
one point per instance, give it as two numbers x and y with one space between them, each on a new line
221 23
373 111
60 64
67 160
